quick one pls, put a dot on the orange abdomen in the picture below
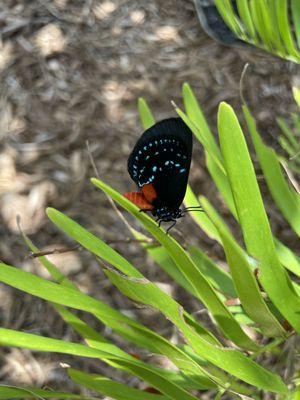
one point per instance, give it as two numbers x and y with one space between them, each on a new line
139 200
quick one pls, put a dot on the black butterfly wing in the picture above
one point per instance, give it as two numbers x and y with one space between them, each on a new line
162 157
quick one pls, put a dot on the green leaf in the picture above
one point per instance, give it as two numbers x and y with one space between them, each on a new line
252 216
99 248
296 92
77 232
245 15
214 161
244 280
229 360
295 7
108 387
11 338
184 363
196 116
50 267
226 10
287 258
221 181
201 136
220 178
129 329
284 28
77 324
146 116
160 382
202 287
265 24
92 337
162 258
261 21
87 332
286 146
286 198
293 143
157 377
91 242
59 294
199 217
217 276
13 392
126 327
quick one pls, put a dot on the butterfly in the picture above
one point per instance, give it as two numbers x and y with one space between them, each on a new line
159 164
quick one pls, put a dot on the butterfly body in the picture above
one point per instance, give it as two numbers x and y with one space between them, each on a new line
159 164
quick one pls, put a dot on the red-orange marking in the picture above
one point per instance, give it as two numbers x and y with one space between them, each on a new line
139 200
149 193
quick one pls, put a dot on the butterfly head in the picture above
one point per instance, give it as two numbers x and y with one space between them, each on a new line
166 214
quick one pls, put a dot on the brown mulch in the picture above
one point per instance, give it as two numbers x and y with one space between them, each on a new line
71 72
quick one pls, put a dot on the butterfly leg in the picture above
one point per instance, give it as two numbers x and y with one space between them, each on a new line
159 220
171 226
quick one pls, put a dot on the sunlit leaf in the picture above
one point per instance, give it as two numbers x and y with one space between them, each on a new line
252 216
201 285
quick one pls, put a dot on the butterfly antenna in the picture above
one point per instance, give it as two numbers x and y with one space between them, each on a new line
193 208
187 211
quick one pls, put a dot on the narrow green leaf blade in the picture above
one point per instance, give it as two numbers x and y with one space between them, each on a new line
245 15
220 279
231 361
96 246
200 218
291 137
287 258
295 7
12 338
50 267
12 392
226 10
252 216
244 280
91 242
106 352
129 329
296 93
203 288
162 258
285 30
195 114
216 169
56 293
214 161
221 181
108 387
287 200
146 116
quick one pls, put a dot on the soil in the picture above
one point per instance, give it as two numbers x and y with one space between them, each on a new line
71 72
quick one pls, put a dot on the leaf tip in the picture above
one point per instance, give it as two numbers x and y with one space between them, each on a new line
94 181
296 94
185 86
224 106
49 211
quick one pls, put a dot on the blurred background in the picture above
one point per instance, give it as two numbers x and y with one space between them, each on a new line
71 72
